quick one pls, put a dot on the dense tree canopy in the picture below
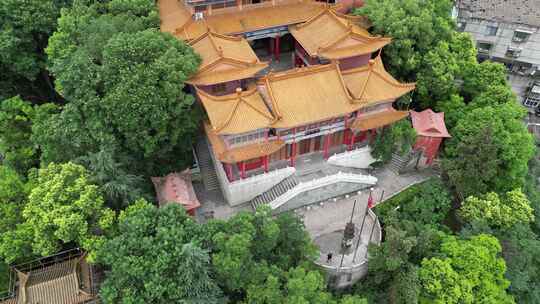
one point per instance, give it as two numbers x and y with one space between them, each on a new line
16 146
25 27
468 271
489 150
63 207
152 259
124 83
502 212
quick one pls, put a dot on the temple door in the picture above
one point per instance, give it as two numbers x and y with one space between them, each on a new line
317 145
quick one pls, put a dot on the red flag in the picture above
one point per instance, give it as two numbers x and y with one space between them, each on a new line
370 201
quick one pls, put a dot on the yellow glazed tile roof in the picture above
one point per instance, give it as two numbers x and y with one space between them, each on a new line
176 18
242 153
224 59
306 95
335 36
372 83
236 113
376 120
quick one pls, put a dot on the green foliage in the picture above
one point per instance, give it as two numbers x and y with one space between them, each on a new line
4 277
119 187
152 259
493 141
454 109
63 207
25 27
124 81
397 138
478 77
500 212
426 203
18 150
13 198
468 271
415 26
521 251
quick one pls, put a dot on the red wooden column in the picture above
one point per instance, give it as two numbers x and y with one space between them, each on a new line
345 130
293 148
351 142
265 162
228 168
276 48
242 169
326 144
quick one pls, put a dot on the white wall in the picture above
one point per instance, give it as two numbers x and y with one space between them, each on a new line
244 190
359 158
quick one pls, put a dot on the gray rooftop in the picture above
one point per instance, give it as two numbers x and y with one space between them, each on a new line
511 11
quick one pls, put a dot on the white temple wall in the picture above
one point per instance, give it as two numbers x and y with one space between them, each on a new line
243 190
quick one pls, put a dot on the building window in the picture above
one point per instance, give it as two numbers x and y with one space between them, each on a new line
484 47
513 52
531 102
521 36
491 30
219 88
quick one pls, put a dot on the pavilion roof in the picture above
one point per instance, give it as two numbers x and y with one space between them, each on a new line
372 83
378 119
241 153
430 124
176 188
176 18
224 58
236 113
306 95
334 36
63 282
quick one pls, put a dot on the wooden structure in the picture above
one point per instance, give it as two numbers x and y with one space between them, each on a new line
431 131
177 188
334 95
65 278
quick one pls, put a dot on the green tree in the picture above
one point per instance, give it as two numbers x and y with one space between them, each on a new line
119 187
416 27
25 27
153 260
478 77
491 141
521 251
454 109
125 85
501 212
63 207
18 150
397 138
14 239
468 271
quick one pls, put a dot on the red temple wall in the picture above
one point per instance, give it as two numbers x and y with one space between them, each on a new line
430 145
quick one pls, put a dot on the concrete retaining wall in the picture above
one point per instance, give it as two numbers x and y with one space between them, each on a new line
244 190
360 158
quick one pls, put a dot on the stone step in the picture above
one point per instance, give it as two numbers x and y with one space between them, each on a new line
274 192
206 165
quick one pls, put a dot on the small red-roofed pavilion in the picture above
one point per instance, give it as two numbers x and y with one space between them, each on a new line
177 188
431 130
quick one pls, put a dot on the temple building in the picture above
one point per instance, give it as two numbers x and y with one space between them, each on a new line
294 92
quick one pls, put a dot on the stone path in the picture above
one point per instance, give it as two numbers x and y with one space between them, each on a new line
333 215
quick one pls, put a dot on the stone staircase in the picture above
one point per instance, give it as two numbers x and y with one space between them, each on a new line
206 165
398 163
275 192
